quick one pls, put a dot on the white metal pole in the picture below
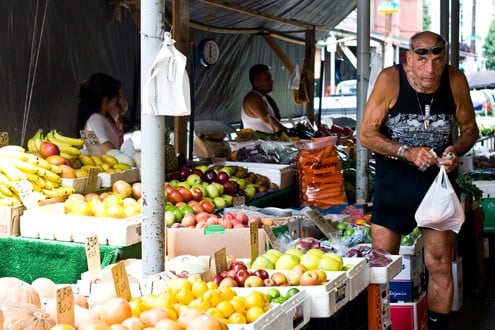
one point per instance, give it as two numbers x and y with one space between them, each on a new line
153 135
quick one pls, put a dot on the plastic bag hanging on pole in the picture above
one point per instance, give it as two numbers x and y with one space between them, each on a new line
167 90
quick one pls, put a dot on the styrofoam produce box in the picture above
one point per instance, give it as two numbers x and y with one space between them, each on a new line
280 174
328 298
358 274
9 220
296 309
50 222
383 275
108 179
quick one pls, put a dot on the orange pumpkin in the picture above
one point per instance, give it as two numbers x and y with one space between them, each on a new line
25 316
14 290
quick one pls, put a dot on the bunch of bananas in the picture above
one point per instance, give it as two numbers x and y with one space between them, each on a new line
69 147
104 163
17 165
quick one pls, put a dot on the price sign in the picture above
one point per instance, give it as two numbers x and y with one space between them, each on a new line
238 200
4 139
271 237
324 225
220 260
93 254
121 281
92 180
92 143
253 235
65 306
28 196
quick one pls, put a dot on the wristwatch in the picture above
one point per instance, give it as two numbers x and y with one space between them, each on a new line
402 151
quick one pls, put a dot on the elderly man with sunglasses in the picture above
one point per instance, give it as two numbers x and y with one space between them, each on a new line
413 110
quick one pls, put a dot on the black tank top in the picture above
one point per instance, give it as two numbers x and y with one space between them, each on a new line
408 122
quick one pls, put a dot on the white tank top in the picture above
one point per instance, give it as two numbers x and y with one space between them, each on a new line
257 123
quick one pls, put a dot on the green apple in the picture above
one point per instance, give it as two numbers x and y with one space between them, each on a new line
184 184
178 214
273 293
242 183
272 257
315 251
329 264
169 217
286 262
212 190
193 179
261 263
227 169
202 188
220 188
229 200
335 256
174 183
310 261
275 252
219 202
295 252
203 168
250 191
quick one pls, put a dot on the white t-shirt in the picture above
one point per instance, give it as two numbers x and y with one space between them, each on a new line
103 129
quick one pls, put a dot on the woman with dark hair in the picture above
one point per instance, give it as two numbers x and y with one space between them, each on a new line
101 108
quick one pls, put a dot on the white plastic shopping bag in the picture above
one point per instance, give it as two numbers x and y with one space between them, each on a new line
440 209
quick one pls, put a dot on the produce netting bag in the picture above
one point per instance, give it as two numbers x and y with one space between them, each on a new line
319 173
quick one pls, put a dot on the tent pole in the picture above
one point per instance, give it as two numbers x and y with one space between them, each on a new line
153 132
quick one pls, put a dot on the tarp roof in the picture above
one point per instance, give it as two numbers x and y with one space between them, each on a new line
50 47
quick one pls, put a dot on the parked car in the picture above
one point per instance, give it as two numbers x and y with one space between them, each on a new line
483 100
341 103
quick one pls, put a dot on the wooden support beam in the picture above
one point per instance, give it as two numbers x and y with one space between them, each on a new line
279 52
180 32
309 71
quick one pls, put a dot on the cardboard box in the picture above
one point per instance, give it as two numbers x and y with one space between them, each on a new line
131 176
10 220
198 242
280 174
410 315
379 307
458 287
406 286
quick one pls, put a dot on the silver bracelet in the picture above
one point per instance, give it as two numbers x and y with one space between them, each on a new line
402 150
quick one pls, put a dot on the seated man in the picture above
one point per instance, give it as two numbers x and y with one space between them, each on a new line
259 111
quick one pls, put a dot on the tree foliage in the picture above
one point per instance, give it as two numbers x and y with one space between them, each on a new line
426 16
489 48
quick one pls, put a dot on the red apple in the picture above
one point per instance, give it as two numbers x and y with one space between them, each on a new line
241 275
202 216
309 277
210 175
207 205
242 218
237 265
253 281
137 190
269 282
186 193
218 278
212 220
222 177
122 188
261 273
174 197
225 223
48 149
195 206
168 188
189 220
197 193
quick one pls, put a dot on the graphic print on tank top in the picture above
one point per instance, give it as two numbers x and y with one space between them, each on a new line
409 129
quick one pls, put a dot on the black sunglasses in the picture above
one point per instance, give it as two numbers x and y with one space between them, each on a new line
433 50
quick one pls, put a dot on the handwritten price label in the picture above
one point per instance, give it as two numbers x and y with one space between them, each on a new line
93 254
92 142
4 139
121 281
220 260
253 235
65 305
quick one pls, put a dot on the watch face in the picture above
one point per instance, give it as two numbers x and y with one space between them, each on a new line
209 52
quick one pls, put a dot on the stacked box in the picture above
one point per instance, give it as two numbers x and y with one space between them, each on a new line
457 281
406 286
9 220
379 307
410 315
